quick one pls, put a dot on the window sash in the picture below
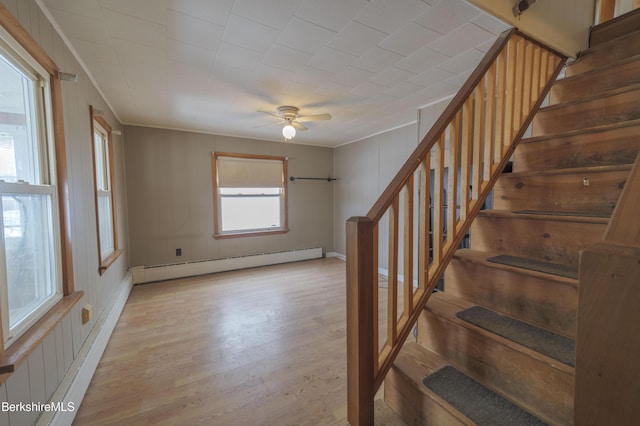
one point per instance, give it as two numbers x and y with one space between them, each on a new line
47 253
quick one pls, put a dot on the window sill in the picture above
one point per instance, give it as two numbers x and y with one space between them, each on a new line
228 235
108 261
18 352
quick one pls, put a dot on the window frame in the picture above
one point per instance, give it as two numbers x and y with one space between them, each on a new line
25 46
217 204
100 125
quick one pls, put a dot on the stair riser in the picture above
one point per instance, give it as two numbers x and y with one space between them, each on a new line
593 83
529 382
615 146
627 48
618 27
592 113
416 406
562 192
546 303
552 241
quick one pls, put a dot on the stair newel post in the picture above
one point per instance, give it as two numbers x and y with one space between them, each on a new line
360 320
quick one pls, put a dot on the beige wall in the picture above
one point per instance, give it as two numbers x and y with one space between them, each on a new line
37 378
563 25
171 196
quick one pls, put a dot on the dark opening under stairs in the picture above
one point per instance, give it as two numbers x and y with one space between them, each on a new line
502 332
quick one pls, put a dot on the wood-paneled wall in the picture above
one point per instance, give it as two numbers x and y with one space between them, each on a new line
37 379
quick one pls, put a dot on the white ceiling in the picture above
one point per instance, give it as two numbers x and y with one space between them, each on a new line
210 65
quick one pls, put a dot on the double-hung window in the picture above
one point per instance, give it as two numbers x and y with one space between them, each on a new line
104 190
30 263
250 194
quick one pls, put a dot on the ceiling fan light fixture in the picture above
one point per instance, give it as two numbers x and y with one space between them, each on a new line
288 131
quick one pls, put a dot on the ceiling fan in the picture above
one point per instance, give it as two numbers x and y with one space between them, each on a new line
289 116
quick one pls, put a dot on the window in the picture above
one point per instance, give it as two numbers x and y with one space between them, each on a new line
250 194
105 183
30 258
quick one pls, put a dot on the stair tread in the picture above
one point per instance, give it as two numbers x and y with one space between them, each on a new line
480 257
571 170
447 307
615 23
553 345
570 133
476 401
599 69
536 265
557 216
414 362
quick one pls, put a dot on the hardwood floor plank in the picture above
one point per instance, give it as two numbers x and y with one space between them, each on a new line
264 346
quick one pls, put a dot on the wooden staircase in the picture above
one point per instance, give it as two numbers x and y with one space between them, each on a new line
558 200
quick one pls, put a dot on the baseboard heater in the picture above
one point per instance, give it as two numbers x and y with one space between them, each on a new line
146 274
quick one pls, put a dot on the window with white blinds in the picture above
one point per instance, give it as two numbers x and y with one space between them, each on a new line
250 194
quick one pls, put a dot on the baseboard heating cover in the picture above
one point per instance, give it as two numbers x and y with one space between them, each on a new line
146 274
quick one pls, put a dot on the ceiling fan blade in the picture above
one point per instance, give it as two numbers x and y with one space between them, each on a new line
271 114
315 117
298 125
269 124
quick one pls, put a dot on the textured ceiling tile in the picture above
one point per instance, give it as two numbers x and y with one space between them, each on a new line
352 76
193 31
356 38
95 52
463 62
448 15
422 60
213 11
368 89
82 8
331 60
188 54
274 13
490 23
236 56
391 76
430 77
134 29
286 58
129 52
151 10
246 33
311 75
409 38
331 14
386 16
80 28
403 89
304 36
377 59
437 91
457 42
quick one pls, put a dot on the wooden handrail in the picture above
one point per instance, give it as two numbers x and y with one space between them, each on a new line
624 226
467 148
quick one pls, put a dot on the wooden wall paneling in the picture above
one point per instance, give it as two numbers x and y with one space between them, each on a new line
17 392
59 352
4 415
24 15
35 363
50 365
12 6
46 32
67 341
76 328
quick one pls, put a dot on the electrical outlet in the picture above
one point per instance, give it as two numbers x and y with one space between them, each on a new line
178 252
87 311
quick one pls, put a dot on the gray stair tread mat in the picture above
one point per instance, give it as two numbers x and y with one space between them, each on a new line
479 403
543 341
536 265
554 213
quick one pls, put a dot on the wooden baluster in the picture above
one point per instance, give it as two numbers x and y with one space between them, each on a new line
452 176
438 201
376 306
519 92
408 250
392 279
425 222
544 69
490 118
465 158
478 131
510 97
361 325
527 83
535 77
501 108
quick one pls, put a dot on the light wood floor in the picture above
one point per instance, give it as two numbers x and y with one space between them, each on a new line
264 346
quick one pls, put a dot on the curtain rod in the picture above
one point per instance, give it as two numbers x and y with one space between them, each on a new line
328 179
